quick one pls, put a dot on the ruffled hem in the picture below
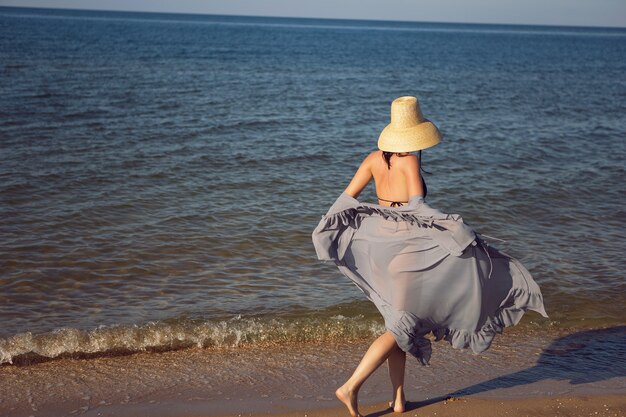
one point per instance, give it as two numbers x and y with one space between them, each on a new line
336 228
478 341
352 217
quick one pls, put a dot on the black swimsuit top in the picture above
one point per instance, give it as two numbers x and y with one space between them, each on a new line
401 203
393 203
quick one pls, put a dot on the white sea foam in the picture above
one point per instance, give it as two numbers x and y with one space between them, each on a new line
234 332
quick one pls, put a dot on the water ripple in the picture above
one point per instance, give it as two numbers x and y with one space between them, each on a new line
145 177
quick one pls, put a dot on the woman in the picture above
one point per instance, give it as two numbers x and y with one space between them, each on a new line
425 271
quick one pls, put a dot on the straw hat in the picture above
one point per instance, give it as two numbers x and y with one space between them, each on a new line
408 130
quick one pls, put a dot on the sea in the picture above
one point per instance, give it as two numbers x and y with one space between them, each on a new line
161 174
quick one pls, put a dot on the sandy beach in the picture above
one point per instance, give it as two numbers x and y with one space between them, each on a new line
598 405
524 373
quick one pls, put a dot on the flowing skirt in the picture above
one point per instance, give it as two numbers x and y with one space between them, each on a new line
420 285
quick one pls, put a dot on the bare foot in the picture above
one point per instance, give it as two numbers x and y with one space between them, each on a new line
398 404
349 398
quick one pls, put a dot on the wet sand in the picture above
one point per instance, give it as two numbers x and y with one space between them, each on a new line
525 372
600 405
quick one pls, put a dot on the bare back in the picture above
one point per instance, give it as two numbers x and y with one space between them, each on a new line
396 184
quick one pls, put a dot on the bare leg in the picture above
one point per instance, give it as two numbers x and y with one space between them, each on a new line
396 362
377 353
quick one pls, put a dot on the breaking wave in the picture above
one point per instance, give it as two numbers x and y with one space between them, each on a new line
179 334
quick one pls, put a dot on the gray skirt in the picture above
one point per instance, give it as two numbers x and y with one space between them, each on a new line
426 271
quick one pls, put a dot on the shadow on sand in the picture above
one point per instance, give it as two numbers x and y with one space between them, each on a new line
580 358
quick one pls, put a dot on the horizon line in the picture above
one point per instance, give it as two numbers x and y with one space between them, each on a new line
315 18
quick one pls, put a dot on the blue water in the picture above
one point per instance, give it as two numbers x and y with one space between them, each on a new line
167 170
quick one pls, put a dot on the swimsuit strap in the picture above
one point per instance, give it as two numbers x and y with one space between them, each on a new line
393 203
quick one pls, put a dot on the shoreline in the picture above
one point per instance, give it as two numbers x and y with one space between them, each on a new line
531 367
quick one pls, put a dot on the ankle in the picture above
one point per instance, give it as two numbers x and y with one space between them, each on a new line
398 392
350 387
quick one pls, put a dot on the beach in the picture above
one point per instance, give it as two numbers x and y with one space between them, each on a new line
554 406
549 374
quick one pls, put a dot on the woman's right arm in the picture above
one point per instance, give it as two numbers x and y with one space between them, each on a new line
361 178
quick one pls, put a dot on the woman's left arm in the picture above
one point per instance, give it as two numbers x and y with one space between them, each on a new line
361 178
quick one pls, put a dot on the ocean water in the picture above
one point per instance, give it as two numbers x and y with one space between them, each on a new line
161 174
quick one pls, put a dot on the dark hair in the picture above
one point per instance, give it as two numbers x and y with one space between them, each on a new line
387 158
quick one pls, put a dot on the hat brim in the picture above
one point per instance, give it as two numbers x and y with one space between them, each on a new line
415 138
